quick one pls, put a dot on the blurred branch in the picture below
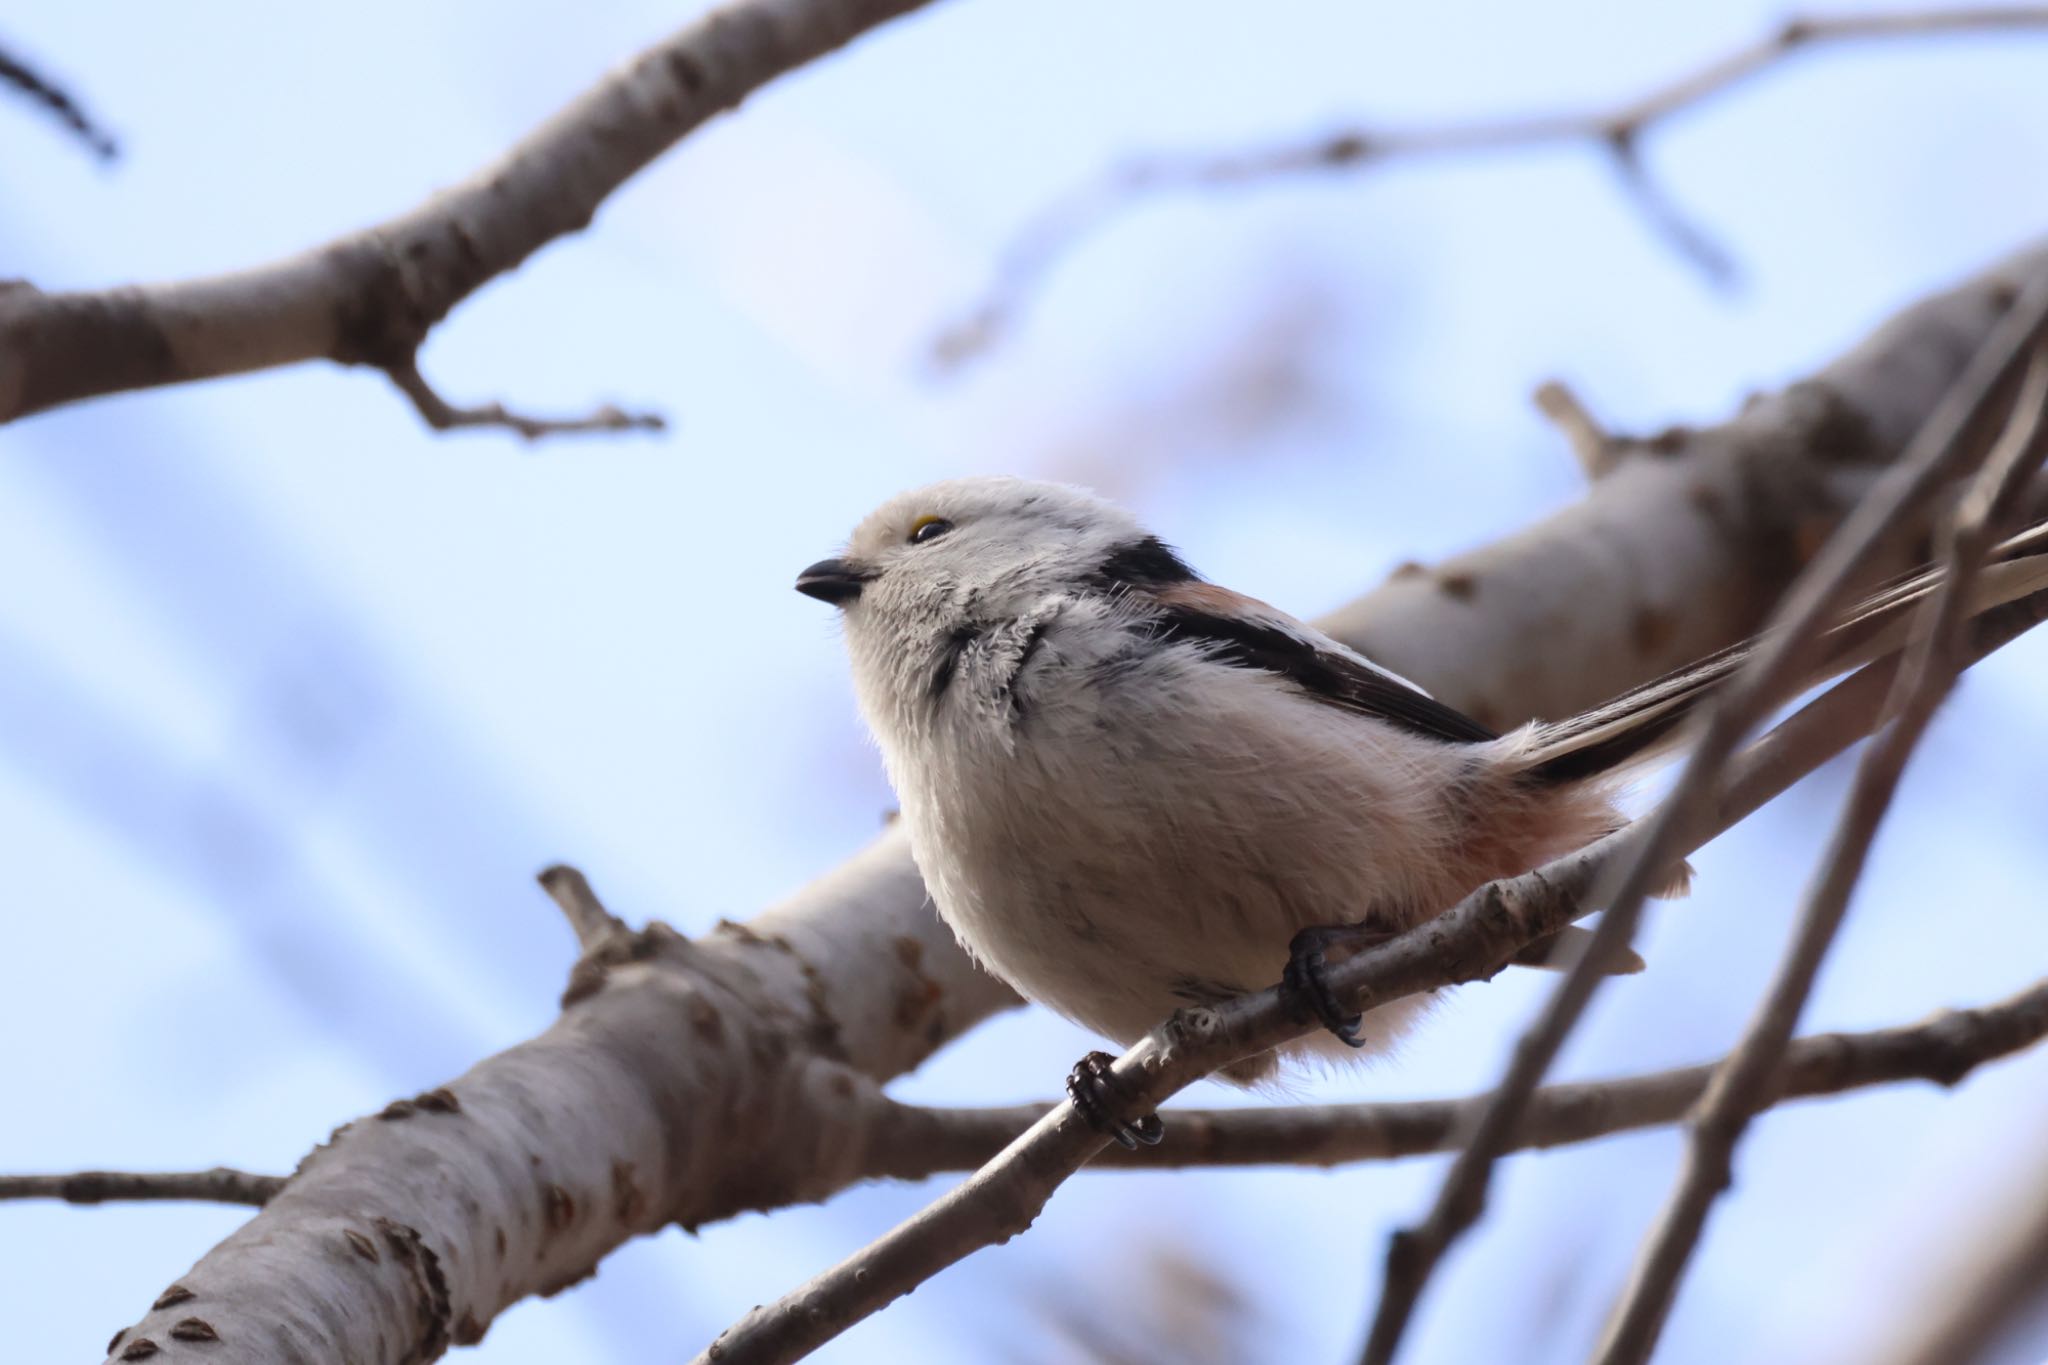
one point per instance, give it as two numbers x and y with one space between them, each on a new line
690 1080
1597 451
372 297
1616 131
1949 441
1741 1086
570 890
1470 942
58 103
912 1143
1998 1280
221 1185
443 416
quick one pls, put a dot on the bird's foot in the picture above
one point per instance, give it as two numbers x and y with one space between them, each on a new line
1096 1092
1306 977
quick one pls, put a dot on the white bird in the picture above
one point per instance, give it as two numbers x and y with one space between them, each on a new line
1129 790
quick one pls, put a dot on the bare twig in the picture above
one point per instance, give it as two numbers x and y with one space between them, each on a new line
221 1185
370 298
1470 942
1597 451
1616 131
57 103
570 890
1965 1310
1945 443
1741 1086
913 1143
443 416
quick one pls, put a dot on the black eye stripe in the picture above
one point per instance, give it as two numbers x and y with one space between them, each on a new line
930 528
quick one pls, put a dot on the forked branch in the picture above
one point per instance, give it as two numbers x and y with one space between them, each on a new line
1617 132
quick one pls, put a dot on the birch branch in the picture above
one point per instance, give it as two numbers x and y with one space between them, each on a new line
1616 132
685 1082
371 297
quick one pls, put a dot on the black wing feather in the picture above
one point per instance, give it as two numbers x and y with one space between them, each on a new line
1321 674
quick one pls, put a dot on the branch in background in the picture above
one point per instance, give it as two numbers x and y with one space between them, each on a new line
1617 132
371 298
790 1020
55 101
1950 441
1741 1086
444 416
1470 942
913 1143
1964 1311
221 1185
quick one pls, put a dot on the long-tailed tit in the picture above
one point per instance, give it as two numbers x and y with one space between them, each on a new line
1130 790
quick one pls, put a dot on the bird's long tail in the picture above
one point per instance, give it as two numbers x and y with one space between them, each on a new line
1637 725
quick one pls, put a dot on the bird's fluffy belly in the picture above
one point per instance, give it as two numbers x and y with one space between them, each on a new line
1079 877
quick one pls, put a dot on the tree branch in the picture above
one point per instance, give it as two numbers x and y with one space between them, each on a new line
687 1081
915 1143
221 1185
371 297
1617 132
444 416
1741 1086
1948 442
58 104
1963 1311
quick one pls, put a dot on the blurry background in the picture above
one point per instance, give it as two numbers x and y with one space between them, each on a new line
295 696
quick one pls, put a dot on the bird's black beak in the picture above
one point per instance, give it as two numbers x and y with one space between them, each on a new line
832 580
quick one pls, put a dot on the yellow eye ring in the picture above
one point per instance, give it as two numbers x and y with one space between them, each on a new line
928 528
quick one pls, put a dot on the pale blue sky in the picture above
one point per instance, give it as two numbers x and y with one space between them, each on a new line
295 696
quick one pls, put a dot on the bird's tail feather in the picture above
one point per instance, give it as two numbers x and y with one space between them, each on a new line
1637 725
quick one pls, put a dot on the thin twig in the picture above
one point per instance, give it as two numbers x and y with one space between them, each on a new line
1597 451
1470 942
221 1185
570 890
1741 1086
58 104
914 1143
441 415
1617 131
1945 443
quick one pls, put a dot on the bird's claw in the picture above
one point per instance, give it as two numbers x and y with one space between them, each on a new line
1306 979
1097 1094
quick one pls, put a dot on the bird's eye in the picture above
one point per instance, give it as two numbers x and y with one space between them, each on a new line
928 528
